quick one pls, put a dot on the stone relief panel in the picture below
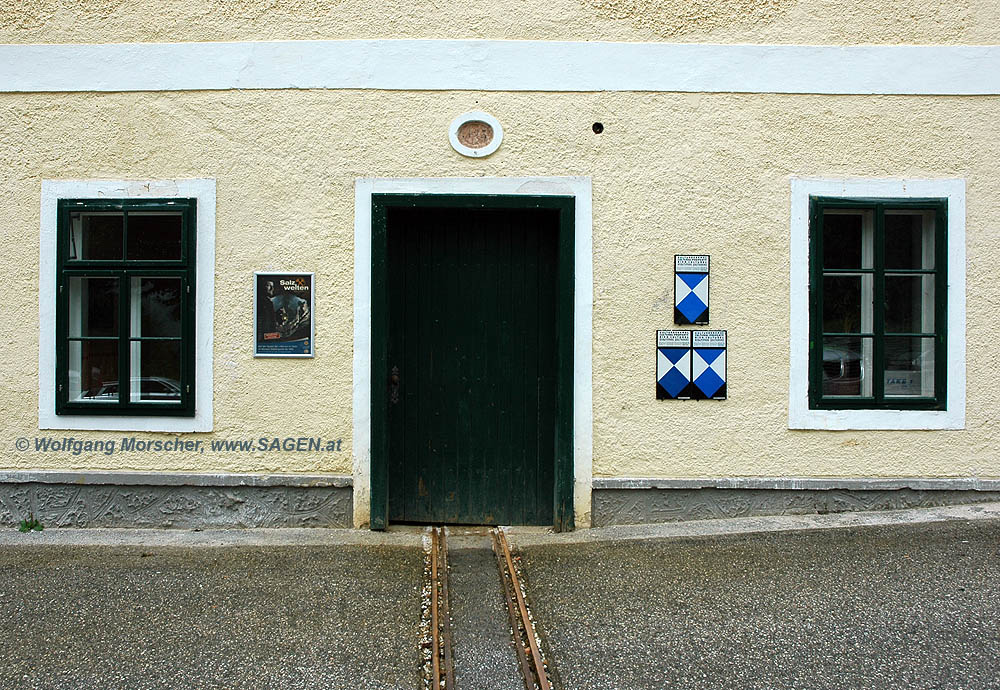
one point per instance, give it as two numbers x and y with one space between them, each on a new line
64 505
639 506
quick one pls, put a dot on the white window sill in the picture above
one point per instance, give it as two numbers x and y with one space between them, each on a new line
844 420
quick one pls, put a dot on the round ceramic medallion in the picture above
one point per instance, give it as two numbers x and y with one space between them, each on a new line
475 134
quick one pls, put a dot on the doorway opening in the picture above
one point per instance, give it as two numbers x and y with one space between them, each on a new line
472 359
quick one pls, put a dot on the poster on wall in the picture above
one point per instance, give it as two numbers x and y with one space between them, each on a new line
283 315
690 289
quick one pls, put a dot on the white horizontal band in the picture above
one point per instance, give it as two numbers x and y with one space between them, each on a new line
501 66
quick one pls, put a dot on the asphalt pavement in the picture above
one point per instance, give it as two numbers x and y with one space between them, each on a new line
881 600
226 617
484 653
905 606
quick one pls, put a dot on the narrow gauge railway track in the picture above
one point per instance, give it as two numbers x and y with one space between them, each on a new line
534 672
440 673
442 661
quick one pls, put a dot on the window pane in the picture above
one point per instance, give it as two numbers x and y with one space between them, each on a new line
93 370
93 307
154 236
909 304
909 367
95 236
156 371
909 239
847 366
847 303
156 307
847 239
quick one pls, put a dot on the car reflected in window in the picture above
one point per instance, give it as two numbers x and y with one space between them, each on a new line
151 388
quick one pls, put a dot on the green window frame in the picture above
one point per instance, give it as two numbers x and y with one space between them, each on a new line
878 303
125 286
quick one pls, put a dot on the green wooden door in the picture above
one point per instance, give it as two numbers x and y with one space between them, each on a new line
472 361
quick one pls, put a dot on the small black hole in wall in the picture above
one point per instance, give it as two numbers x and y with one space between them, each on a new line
598 128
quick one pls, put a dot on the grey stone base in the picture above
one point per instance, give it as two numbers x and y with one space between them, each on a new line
632 506
196 501
171 500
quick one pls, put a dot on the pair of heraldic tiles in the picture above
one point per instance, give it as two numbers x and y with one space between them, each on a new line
690 365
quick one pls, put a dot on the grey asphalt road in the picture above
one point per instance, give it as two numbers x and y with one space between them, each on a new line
896 603
907 606
484 653
343 616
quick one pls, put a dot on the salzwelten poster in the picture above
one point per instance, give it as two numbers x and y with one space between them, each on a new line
283 315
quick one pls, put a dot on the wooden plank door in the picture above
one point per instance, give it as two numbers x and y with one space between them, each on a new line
472 359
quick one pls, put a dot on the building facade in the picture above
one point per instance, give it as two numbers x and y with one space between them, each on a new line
486 210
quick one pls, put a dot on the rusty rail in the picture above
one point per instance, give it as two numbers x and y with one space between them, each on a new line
535 675
441 659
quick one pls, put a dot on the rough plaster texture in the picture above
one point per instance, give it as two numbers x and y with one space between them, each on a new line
638 506
69 505
672 173
707 21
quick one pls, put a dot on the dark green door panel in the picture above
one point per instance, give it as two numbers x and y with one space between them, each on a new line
472 338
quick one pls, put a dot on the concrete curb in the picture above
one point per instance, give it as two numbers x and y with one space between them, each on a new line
750 525
799 483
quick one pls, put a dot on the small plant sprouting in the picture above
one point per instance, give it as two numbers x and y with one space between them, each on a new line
30 524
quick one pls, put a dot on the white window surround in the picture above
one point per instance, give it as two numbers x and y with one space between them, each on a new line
583 414
52 191
799 414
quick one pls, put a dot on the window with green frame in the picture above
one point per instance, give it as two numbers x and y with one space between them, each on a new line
878 303
125 322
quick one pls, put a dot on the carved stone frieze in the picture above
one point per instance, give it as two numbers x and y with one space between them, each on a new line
67 505
638 506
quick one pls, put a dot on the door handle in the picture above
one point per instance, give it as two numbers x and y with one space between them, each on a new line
394 386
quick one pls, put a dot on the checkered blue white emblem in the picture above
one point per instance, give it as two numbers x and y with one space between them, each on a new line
708 372
691 298
673 372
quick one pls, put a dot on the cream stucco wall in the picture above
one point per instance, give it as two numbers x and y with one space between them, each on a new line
703 21
672 173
